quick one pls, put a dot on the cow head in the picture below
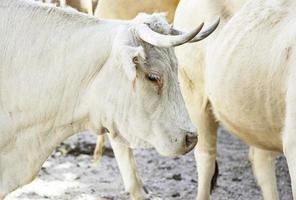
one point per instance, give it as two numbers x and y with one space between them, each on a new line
142 100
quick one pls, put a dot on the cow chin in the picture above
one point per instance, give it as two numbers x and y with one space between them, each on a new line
169 153
173 150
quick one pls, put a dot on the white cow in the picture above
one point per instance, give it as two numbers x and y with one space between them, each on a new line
250 78
125 10
191 75
123 153
120 77
191 59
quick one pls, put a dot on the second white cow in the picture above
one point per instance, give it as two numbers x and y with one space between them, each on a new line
250 80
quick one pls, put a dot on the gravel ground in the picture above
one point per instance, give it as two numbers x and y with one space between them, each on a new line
70 173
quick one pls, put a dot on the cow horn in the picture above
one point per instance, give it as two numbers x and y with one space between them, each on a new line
160 40
202 35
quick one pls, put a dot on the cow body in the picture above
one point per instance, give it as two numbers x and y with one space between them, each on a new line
63 72
250 77
192 66
42 89
192 80
258 84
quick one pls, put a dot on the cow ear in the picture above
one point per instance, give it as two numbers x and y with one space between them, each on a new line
130 58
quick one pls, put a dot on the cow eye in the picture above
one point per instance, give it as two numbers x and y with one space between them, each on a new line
153 77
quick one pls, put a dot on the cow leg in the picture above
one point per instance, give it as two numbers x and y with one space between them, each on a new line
289 133
199 108
290 153
205 153
263 164
289 146
62 3
127 167
94 6
89 7
98 152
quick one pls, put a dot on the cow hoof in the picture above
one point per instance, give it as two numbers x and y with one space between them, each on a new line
215 177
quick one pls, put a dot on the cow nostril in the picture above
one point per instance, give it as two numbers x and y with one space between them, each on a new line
190 140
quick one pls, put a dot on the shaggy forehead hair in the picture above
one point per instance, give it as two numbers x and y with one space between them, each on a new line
157 22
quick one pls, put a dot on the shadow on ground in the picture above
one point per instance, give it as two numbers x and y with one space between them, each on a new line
70 173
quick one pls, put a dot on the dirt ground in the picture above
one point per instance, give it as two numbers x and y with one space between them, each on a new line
71 174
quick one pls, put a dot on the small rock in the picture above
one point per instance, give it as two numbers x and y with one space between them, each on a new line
177 194
177 177
236 179
193 181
